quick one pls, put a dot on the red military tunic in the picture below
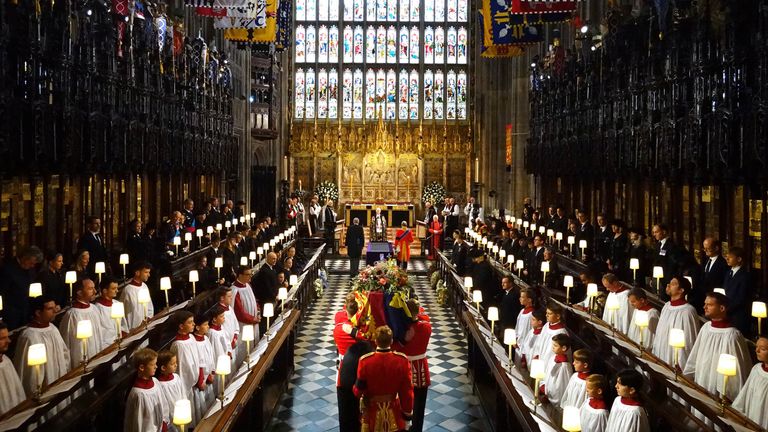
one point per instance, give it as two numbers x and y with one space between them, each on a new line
415 349
344 340
384 382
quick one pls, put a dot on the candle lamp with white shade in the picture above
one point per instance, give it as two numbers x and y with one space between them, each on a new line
182 413
100 268
218 228
252 257
243 261
209 229
658 273
550 235
144 299
571 419
248 337
759 312
124 260
477 298
84 332
542 229
719 290
117 313
537 373
188 239
493 316
502 256
259 252
727 367
218 263
165 286
559 238
568 284
612 304
228 225
223 368
591 294
194 277
176 243
634 265
35 289
520 266
468 284
533 228
70 278
282 295
36 356
268 312
199 235
641 321
544 270
676 341
510 340
583 247
571 241
511 261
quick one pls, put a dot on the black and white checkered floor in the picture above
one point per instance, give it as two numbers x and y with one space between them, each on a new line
310 402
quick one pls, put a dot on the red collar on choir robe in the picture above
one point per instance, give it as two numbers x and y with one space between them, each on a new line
134 282
556 326
181 337
35 324
678 302
583 375
225 307
597 403
621 289
165 378
77 304
104 302
765 367
720 323
239 285
645 308
561 358
632 402
527 310
199 338
537 331
215 327
145 384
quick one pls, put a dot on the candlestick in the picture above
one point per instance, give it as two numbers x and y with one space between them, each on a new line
493 316
658 273
568 284
124 259
759 312
510 339
165 285
193 277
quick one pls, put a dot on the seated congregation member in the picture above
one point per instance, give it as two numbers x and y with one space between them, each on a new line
11 392
557 373
593 414
384 382
717 337
554 326
527 345
103 305
638 298
134 311
41 331
753 397
171 386
203 398
618 318
145 408
81 310
575 391
678 314
627 413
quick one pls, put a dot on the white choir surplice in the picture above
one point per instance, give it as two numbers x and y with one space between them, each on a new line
145 407
134 311
68 327
619 318
231 326
526 345
107 323
753 397
173 390
249 304
626 416
556 378
593 416
675 314
575 391
702 360
11 391
543 345
523 325
648 332
219 341
188 362
57 354
203 399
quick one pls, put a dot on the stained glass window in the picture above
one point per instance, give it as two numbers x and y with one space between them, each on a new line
394 62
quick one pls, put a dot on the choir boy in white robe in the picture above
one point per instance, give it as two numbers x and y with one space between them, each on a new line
619 318
676 313
203 398
103 305
185 348
753 397
638 298
216 335
593 414
41 331
576 390
170 383
557 374
145 408
523 324
82 309
717 337
231 327
134 311
554 326
538 319
627 413
245 306
11 391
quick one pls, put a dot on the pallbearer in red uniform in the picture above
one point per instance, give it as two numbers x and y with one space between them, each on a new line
346 335
384 382
415 349
435 237
403 240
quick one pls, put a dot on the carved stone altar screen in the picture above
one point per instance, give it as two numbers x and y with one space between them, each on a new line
382 162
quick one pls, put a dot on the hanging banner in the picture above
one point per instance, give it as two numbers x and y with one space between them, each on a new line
541 7
508 146
249 17
284 25
505 35
249 33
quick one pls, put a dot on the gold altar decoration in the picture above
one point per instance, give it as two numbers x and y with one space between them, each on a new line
382 161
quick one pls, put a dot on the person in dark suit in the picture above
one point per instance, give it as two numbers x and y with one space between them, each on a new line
638 248
355 241
93 242
483 278
265 283
459 253
533 260
666 254
329 224
584 231
52 279
136 245
737 285
603 236
618 251
711 273
15 278
510 304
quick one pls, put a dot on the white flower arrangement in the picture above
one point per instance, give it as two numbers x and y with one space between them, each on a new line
442 293
434 192
326 190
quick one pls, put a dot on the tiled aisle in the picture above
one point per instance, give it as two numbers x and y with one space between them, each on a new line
310 402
